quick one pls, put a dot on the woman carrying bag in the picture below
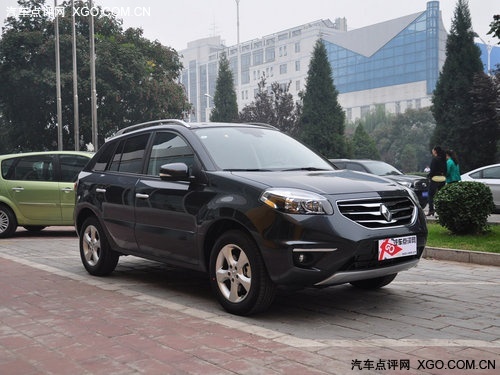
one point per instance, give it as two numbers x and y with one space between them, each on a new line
437 175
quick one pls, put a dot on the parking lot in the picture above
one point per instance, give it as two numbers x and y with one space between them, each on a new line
439 318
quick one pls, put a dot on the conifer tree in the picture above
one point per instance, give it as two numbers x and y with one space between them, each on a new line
225 104
322 121
453 107
363 146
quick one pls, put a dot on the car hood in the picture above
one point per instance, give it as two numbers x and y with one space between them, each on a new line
322 182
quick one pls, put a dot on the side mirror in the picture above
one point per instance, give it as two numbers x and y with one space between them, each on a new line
175 172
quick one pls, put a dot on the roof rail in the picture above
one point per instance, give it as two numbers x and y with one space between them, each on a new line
142 125
263 124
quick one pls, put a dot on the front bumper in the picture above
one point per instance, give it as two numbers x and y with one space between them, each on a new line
302 250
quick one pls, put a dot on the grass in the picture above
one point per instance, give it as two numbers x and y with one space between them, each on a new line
441 237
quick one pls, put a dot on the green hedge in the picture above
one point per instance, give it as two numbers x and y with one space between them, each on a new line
464 207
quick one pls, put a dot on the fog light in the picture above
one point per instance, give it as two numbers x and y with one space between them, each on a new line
303 259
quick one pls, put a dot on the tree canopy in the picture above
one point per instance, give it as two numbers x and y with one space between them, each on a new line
136 79
453 102
495 27
273 106
322 119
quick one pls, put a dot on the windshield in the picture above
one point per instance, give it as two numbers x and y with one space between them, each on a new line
382 169
242 148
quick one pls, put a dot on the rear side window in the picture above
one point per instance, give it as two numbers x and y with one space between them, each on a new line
29 168
129 155
71 165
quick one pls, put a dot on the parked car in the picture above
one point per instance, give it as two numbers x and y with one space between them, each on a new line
490 176
247 204
419 184
37 189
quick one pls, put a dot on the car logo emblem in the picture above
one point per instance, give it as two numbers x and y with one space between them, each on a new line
386 213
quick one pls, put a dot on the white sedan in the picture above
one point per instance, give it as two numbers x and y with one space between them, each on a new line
490 176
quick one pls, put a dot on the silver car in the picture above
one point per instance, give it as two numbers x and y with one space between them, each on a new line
490 176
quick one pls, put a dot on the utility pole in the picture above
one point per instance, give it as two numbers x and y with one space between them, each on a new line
75 82
58 83
92 80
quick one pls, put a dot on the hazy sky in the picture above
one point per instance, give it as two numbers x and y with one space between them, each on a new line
176 22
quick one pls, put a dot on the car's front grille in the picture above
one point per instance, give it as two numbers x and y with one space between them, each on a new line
379 213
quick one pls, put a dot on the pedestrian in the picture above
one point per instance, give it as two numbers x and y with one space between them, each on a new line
452 167
437 175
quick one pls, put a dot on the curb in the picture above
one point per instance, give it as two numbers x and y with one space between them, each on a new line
463 256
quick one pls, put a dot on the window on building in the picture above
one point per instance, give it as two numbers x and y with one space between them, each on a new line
283 69
258 57
297 47
348 114
297 66
270 54
297 85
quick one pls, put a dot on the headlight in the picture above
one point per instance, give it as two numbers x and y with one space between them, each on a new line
405 183
294 201
413 196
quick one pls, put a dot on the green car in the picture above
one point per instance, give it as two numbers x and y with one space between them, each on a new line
37 189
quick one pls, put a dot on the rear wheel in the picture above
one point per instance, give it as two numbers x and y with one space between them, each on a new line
375 283
97 256
8 221
238 276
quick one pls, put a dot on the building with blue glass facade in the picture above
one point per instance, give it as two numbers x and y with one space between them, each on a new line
394 64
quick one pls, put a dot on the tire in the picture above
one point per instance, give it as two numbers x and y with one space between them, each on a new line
238 276
376 283
95 252
8 221
34 228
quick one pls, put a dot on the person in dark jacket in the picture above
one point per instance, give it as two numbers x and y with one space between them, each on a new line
437 175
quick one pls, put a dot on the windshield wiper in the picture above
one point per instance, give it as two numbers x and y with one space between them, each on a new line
246 170
305 169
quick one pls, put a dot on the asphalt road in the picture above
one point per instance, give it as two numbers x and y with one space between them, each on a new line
443 317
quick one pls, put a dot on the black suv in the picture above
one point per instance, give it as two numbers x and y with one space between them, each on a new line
419 184
252 207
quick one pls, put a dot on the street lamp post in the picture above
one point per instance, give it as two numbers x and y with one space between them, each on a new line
238 66
489 47
207 110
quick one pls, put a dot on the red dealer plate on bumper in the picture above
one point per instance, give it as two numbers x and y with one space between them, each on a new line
398 247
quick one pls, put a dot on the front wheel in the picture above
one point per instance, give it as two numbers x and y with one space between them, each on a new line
375 283
97 256
238 276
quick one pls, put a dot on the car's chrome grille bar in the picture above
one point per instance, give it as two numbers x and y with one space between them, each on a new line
379 213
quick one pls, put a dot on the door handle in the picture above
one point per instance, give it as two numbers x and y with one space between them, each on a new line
142 196
18 189
100 190
67 190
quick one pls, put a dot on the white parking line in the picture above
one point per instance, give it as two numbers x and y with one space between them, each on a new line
286 339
